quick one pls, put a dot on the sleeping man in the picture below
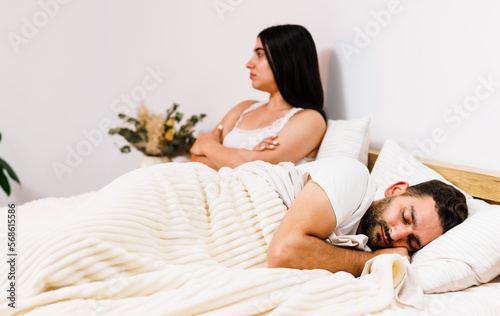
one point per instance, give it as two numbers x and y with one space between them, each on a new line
335 200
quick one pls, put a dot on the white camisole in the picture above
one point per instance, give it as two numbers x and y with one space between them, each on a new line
248 139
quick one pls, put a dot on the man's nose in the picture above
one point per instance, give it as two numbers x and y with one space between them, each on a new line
399 234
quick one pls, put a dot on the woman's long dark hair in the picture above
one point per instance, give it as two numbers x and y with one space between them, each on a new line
291 53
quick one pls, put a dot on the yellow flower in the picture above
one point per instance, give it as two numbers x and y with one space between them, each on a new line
169 135
170 122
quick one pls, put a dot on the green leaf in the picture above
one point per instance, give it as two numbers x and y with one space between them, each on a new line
169 150
122 116
133 120
10 171
141 131
125 149
131 136
172 110
141 149
143 134
0 137
113 131
4 182
193 120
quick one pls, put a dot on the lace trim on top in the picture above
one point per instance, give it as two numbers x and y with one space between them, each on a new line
248 139
277 125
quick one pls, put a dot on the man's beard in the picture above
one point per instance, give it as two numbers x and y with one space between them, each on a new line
371 219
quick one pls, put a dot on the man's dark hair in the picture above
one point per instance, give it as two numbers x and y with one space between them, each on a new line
450 202
292 56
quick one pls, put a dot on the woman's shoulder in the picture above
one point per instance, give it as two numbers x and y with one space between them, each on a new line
242 106
247 104
309 116
234 114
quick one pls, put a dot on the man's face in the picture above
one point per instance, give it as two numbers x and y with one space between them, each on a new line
401 221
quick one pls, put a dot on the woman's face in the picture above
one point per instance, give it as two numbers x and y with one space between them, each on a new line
260 72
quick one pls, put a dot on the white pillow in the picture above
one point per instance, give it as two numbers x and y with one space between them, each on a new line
468 254
349 138
394 164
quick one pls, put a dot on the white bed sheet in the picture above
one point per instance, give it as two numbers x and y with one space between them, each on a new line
483 300
478 300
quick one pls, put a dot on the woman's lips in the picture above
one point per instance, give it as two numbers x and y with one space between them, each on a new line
251 75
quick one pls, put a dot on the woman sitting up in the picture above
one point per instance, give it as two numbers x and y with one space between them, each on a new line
287 127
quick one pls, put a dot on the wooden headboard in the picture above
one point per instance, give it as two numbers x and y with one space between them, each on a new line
479 183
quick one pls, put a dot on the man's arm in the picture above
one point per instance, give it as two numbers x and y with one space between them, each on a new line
298 241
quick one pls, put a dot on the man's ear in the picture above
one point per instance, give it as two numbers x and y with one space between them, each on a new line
396 188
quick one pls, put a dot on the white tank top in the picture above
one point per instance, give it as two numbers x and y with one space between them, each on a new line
248 139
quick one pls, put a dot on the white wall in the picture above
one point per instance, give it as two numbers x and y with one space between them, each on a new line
416 67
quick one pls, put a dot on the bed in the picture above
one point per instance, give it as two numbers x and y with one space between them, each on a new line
182 239
460 271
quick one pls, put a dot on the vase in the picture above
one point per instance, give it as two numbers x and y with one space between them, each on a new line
181 158
147 161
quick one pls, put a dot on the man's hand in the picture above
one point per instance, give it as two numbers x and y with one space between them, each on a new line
398 250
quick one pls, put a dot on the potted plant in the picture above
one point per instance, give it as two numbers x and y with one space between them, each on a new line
4 180
156 135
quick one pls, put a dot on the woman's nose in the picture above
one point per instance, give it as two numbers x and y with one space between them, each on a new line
249 64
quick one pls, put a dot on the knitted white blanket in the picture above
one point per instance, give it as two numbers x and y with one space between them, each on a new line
179 239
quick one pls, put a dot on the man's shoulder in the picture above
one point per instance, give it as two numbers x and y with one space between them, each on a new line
348 184
337 164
